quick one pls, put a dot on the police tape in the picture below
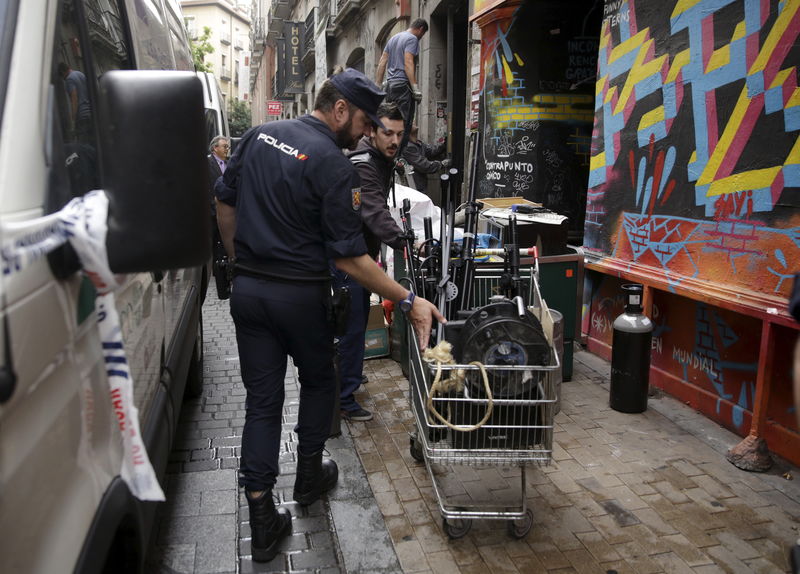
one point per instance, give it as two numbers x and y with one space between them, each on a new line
82 222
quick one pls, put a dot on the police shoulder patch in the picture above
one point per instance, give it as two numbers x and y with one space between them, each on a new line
356 192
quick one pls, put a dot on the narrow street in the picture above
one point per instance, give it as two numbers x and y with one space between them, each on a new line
625 493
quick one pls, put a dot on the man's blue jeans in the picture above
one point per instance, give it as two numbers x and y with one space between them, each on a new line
351 345
400 93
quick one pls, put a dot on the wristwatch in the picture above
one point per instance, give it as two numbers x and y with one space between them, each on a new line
408 302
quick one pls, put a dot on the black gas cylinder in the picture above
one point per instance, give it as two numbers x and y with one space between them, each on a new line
630 354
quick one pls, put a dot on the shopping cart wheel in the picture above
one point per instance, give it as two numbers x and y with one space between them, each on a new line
520 527
415 448
457 527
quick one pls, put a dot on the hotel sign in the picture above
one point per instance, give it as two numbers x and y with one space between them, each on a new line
293 67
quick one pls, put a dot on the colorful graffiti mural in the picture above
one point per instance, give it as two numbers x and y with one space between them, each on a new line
538 68
695 154
702 354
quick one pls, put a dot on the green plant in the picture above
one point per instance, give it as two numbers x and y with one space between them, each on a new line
239 118
201 47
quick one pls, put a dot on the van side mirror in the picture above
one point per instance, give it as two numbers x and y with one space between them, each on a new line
155 171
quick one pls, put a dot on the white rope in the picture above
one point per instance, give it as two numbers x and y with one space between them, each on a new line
441 354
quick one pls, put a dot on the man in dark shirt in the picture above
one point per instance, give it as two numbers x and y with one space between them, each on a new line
287 204
374 161
423 159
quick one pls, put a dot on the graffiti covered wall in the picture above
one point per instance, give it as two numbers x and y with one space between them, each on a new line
695 158
537 72
705 356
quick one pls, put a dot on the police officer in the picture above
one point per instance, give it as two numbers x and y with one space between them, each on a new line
374 162
288 202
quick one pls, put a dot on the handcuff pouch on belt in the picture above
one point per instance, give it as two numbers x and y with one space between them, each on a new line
339 311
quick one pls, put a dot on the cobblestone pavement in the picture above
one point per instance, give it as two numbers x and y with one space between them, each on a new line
647 493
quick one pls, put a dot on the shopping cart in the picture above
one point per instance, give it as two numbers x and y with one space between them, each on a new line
471 425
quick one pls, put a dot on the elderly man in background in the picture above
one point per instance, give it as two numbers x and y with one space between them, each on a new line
217 163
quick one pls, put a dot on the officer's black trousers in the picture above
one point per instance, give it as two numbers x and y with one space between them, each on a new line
273 320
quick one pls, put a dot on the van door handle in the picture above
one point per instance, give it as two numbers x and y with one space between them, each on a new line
8 382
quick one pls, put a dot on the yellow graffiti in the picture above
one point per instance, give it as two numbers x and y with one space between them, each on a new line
753 179
779 29
745 105
557 107
684 5
641 70
597 161
628 46
651 118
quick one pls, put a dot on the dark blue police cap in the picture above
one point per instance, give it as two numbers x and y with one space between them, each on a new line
360 91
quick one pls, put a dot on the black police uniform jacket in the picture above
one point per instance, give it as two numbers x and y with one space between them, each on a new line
297 199
376 175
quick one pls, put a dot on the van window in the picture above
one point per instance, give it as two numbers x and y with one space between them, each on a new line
153 50
77 64
108 44
177 35
8 19
212 129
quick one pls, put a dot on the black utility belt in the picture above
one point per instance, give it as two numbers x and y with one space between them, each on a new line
259 273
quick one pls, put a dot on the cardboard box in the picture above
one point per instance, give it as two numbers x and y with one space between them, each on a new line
376 318
376 340
505 202
376 343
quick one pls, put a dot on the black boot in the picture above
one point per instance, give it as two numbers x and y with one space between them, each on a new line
314 476
268 526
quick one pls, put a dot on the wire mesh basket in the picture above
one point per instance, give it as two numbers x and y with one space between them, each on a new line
475 427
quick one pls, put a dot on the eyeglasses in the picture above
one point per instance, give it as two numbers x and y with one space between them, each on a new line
224 146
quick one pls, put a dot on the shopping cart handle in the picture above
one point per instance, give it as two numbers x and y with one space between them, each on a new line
524 251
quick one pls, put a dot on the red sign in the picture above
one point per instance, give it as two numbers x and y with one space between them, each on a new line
274 108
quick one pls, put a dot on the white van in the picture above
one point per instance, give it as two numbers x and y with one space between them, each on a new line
81 110
216 115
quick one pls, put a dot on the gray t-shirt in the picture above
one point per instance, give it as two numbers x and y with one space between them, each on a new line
396 47
76 81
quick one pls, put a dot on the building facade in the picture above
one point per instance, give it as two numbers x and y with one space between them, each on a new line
691 192
298 43
229 22
667 131
677 121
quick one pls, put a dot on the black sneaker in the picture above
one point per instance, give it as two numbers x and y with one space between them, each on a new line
358 415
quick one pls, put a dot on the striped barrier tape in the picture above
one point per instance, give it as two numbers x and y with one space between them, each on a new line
82 222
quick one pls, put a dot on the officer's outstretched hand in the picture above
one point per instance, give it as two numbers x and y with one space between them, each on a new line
421 315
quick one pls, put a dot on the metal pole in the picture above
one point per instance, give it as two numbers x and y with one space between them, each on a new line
405 218
470 231
444 277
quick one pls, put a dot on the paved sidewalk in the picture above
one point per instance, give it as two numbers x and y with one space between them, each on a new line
649 492
626 493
